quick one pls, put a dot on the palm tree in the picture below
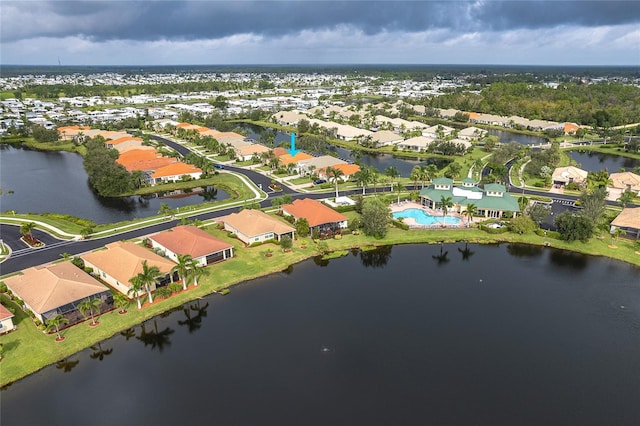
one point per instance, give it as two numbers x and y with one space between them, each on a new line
363 177
415 175
55 323
121 302
197 271
65 256
446 203
135 289
626 198
183 264
334 175
148 277
89 305
470 211
26 229
392 172
375 178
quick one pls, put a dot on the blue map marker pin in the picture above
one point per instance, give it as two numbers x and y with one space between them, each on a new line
293 151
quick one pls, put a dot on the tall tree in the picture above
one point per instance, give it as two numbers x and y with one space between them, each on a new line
446 203
376 217
415 175
363 177
470 211
183 264
593 204
393 173
55 323
136 288
148 277
334 175
88 306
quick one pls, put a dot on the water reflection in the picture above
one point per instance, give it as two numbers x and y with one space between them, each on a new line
466 252
569 259
128 333
524 250
194 313
67 364
376 258
320 261
155 338
442 257
99 353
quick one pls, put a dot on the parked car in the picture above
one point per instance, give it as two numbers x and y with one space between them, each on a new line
319 181
218 166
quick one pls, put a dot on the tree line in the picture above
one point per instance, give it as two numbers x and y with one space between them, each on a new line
602 104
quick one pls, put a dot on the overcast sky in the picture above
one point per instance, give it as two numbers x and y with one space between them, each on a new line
320 32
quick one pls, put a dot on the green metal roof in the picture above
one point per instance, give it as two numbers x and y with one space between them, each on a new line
443 181
495 187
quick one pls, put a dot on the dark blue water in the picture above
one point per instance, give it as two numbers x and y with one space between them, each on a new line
404 335
593 161
56 182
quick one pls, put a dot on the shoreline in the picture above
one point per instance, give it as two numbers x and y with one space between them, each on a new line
256 267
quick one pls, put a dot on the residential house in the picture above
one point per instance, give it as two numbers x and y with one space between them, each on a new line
121 144
310 165
418 143
348 170
472 133
6 320
121 261
492 201
385 137
254 226
624 181
246 152
289 118
629 221
50 290
199 244
319 216
570 174
175 172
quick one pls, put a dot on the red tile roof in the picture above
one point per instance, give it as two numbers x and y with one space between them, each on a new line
314 211
190 240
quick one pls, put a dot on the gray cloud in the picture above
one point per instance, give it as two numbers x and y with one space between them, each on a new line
201 20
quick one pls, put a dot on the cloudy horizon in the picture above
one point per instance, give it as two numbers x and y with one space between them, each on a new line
320 32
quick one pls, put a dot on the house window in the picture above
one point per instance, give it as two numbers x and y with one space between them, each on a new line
256 239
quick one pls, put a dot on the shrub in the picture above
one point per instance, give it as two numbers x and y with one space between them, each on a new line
174 287
88 270
548 234
3 288
400 224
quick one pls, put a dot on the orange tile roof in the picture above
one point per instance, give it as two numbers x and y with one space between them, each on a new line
570 127
124 149
45 288
251 149
279 151
71 128
134 155
125 139
254 222
183 125
288 159
5 313
175 169
346 169
314 211
150 164
190 240
123 260
473 115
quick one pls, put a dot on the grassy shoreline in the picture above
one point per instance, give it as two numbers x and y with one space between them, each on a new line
28 350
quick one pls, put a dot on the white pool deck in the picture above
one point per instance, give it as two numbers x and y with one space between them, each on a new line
404 205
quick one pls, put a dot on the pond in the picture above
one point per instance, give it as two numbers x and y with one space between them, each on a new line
506 137
595 161
55 182
416 334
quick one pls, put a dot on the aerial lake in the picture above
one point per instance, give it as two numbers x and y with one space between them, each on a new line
404 335
595 161
56 182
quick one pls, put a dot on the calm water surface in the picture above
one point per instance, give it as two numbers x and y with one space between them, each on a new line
56 182
451 335
594 161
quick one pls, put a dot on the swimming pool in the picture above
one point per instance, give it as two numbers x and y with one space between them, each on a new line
422 218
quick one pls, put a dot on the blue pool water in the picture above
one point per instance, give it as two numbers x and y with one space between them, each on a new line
422 218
